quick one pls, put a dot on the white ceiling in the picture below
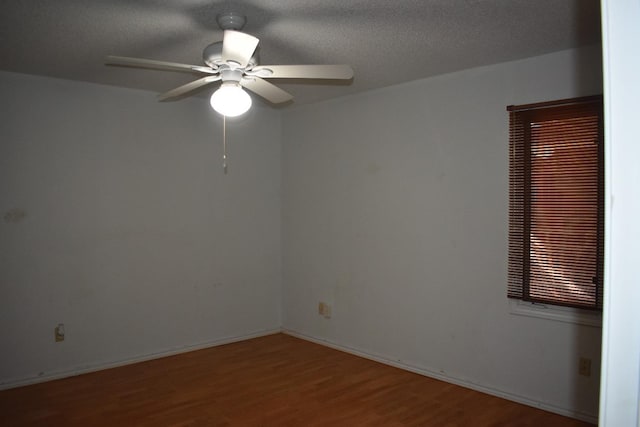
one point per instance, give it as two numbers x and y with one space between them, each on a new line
385 41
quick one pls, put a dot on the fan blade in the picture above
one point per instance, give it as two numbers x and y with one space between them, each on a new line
238 47
158 65
268 91
184 89
334 72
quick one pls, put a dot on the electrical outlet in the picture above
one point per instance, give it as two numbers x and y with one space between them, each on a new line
584 367
59 332
324 310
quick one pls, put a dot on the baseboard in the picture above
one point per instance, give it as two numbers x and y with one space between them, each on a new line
590 418
128 361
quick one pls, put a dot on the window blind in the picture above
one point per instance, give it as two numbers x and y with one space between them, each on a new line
556 202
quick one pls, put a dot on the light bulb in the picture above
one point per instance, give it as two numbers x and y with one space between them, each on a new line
230 100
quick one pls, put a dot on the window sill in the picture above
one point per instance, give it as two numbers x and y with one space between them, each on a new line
557 313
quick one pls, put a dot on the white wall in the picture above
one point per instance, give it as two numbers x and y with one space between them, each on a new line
620 391
133 237
395 213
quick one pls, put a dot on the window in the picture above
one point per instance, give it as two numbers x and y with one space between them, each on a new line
556 202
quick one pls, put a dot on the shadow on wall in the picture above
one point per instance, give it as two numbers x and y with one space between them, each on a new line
586 375
587 364
587 16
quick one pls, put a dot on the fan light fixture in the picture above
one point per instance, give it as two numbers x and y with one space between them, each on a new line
230 100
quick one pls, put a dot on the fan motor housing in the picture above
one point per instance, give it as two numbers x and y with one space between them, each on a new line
212 56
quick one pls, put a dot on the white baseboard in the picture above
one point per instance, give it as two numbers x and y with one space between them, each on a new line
128 361
590 418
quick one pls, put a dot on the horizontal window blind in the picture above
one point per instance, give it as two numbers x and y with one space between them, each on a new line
555 203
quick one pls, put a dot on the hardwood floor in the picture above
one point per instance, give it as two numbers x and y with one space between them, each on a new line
276 380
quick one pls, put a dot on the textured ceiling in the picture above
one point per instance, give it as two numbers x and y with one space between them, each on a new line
385 41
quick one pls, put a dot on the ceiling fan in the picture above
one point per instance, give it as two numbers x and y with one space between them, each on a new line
234 61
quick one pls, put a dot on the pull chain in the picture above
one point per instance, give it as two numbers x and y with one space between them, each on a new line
224 144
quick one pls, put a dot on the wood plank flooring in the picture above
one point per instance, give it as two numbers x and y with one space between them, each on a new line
275 380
